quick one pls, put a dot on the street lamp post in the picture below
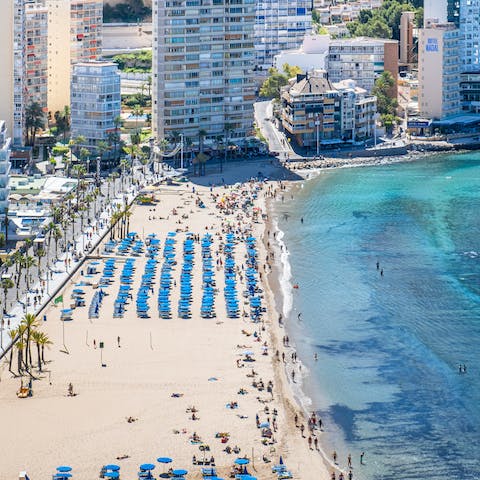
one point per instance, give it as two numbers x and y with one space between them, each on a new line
317 125
181 151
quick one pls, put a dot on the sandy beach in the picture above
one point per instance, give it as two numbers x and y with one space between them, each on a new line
174 379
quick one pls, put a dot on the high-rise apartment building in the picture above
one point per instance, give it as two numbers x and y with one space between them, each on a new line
203 56
36 25
4 166
441 12
74 35
470 34
280 25
40 39
439 71
363 60
407 24
96 100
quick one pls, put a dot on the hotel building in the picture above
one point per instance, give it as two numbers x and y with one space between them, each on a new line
439 71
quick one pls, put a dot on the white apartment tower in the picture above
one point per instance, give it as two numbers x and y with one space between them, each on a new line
280 25
95 102
470 34
4 166
203 56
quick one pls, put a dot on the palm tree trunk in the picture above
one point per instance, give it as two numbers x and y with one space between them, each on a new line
10 360
39 358
19 361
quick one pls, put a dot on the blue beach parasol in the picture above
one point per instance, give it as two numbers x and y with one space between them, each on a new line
242 461
112 467
164 460
147 466
179 473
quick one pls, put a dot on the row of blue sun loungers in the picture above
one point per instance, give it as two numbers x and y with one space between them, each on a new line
185 301
94 308
230 289
208 279
108 272
146 286
164 305
124 292
251 276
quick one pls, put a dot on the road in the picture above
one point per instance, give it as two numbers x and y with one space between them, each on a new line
277 141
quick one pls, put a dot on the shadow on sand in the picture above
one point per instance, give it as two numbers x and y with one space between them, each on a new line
242 171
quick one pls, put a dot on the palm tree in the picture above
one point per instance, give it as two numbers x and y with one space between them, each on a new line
36 337
117 121
29 262
44 342
80 172
201 137
5 224
137 111
20 345
29 322
57 235
40 254
13 335
102 148
19 259
7 284
127 213
34 120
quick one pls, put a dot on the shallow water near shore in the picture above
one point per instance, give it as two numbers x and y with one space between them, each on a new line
387 381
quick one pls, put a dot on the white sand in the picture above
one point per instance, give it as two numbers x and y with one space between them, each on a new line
157 358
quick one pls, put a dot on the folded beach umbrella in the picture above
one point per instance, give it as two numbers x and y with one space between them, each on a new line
112 474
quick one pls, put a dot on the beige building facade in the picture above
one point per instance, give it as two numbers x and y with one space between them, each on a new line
74 35
439 71
6 63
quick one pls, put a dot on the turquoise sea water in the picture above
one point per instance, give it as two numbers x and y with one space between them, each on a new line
386 381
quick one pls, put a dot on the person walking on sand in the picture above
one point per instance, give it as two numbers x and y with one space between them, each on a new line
302 429
381 272
293 375
310 443
118 342
296 420
315 442
334 455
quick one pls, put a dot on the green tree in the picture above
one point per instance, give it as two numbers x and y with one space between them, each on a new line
272 85
34 121
384 84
